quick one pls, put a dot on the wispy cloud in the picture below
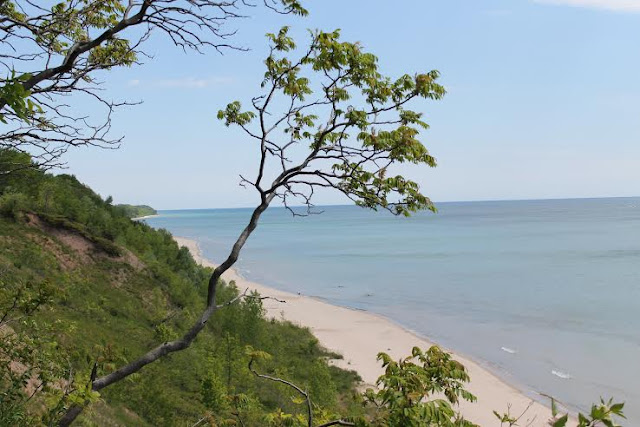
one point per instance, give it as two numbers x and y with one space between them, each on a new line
182 82
617 5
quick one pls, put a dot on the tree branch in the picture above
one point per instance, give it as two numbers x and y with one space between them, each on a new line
287 383
187 339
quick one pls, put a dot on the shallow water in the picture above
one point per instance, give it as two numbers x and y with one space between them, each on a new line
546 293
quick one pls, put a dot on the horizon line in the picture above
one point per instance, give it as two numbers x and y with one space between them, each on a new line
435 203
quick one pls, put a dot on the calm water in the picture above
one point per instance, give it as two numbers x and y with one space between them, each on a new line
546 293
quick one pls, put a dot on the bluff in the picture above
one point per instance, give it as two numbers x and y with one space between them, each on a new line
86 289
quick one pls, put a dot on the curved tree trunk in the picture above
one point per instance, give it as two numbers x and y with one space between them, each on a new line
186 340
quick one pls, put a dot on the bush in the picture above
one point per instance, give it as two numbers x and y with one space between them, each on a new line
13 205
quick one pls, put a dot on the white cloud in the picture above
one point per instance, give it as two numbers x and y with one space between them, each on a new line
617 5
134 82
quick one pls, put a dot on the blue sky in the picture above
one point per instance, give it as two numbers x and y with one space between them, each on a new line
543 102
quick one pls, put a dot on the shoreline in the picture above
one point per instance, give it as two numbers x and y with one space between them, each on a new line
140 218
358 335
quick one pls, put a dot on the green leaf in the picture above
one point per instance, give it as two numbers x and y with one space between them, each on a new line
562 421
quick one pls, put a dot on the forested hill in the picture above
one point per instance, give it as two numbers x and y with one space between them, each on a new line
137 211
84 288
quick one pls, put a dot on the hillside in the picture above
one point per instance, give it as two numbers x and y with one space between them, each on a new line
95 289
137 211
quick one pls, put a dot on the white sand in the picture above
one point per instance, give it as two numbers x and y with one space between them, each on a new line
359 336
140 218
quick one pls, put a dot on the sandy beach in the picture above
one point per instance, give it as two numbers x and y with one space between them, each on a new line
140 218
360 335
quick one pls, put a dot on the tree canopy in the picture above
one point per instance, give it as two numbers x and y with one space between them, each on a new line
327 118
51 50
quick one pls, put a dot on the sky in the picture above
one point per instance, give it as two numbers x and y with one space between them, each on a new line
543 102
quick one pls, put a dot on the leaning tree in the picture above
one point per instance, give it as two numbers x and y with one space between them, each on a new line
326 119
52 53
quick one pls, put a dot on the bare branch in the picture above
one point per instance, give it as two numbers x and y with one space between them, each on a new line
287 383
50 54
337 423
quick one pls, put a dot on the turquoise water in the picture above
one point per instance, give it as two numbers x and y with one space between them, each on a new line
545 293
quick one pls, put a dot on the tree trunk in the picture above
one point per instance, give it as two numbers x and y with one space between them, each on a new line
186 340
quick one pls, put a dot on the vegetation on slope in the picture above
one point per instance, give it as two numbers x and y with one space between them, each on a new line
83 289
137 211
111 288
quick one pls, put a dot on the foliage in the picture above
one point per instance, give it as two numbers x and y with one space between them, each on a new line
28 362
101 309
406 394
422 390
17 97
56 49
602 414
137 211
406 390
328 119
